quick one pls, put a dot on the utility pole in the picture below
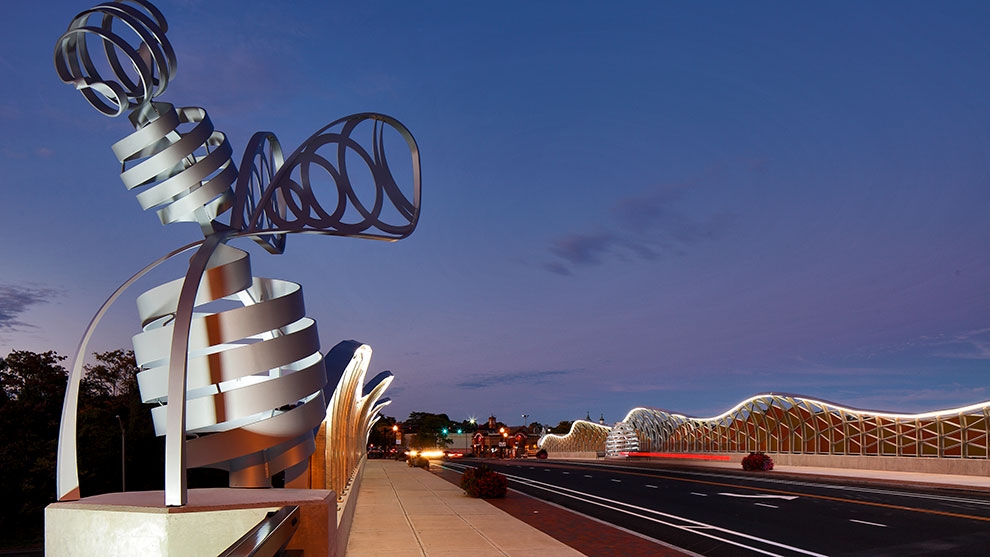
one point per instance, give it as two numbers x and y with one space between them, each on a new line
123 477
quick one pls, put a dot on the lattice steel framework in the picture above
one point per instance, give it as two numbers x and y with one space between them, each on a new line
789 423
621 440
584 436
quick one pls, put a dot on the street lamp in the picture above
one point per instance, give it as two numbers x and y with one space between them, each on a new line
123 478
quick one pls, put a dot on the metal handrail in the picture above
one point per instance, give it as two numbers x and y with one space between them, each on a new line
269 537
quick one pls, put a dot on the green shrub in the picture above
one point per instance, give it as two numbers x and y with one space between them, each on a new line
483 482
419 462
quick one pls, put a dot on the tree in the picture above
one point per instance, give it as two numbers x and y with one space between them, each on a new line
108 390
381 433
562 428
429 429
33 387
114 374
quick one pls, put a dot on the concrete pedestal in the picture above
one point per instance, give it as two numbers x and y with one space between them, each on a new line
138 523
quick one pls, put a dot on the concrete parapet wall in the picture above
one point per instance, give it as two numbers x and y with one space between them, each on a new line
924 465
346 505
590 455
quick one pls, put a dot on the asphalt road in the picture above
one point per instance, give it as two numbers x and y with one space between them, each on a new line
719 513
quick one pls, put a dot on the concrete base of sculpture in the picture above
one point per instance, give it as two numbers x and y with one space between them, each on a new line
138 523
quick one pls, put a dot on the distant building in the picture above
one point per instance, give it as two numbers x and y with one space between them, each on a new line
497 440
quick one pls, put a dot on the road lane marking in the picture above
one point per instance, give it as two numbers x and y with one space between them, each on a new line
567 472
653 486
868 523
587 475
694 524
699 494
799 494
805 484
615 480
766 505
751 496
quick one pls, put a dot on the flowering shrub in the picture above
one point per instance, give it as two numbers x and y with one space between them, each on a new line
483 482
757 461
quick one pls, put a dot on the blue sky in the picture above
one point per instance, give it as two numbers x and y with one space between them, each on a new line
623 204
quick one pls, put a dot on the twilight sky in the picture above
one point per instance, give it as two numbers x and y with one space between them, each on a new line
624 204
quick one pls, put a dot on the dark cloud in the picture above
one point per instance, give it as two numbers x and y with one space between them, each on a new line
646 226
16 300
583 249
485 380
557 267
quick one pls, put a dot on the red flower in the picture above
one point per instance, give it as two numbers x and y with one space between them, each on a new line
483 482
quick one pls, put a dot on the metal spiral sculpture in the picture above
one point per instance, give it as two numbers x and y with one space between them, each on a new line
249 383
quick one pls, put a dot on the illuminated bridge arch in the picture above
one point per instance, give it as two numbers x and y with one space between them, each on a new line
790 423
583 437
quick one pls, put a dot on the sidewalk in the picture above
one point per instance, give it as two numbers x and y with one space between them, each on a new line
403 511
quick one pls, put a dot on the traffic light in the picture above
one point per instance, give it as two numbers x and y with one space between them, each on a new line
444 430
459 431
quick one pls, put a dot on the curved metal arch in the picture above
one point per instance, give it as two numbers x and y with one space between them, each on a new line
278 205
785 422
583 436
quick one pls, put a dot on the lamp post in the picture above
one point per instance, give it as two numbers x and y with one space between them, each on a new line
123 477
395 436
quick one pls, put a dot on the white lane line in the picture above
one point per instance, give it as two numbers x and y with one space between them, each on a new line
531 468
761 496
615 480
567 472
546 469
587 475
699 494
691 526
867 523
653 486
795 482
766 505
